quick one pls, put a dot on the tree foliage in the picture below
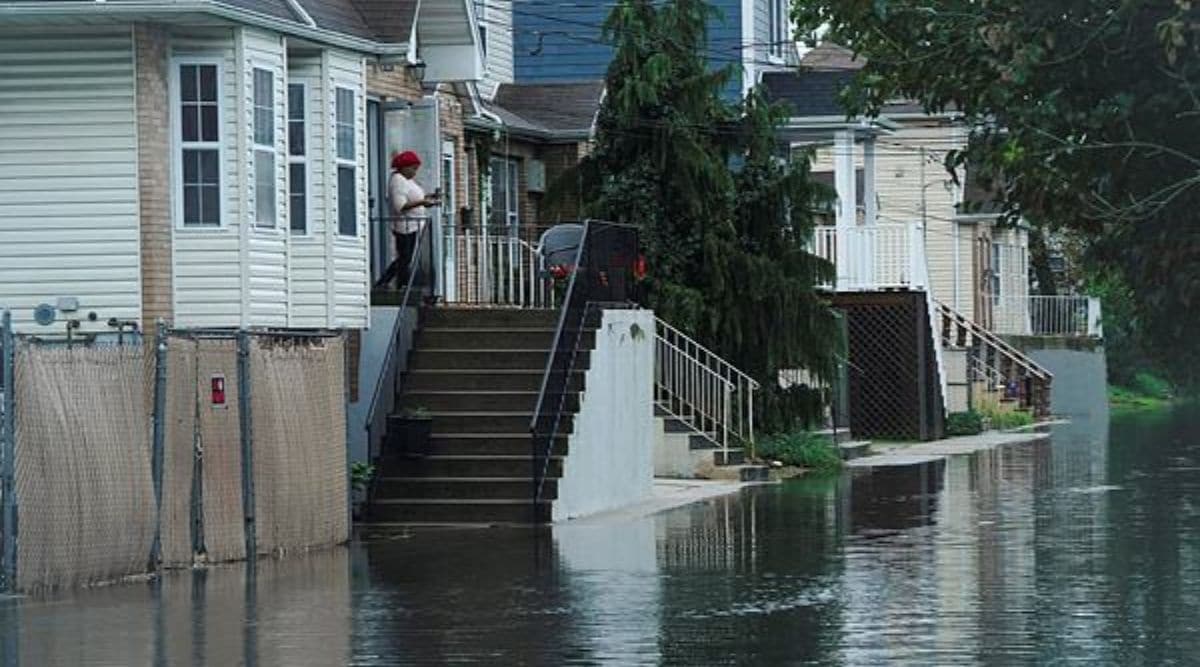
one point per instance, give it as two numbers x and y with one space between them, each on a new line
726 247
1088 112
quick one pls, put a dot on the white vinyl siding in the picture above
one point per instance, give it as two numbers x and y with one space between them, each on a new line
68 173
308 292
496 16
207 269
350 288
266 254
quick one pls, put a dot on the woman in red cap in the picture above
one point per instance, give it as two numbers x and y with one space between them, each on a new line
408 213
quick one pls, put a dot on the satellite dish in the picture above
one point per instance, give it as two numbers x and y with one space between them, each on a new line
44 314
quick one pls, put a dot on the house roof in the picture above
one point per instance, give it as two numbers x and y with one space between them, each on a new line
828 56
378 22
549 110
391 20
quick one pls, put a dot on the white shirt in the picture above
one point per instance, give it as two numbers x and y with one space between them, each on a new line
401 191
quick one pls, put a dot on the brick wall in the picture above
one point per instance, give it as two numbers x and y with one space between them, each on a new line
154 141
393 84
450 117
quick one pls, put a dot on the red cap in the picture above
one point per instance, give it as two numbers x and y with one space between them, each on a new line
405 159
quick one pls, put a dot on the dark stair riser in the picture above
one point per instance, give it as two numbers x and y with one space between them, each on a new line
488 318
481 401
493 339
500 424
485 360
733 457
470 466
489 445
466 489
420 381
461 512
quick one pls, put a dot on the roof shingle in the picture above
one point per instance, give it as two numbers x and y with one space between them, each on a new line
554 107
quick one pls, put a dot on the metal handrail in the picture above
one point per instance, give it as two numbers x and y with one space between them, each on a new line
701 389
390 359
540 451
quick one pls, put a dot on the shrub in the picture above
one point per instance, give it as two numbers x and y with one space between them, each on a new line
964 423
1002 421
1151 385
803 449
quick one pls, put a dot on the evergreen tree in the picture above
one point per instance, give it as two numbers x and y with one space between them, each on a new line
726 248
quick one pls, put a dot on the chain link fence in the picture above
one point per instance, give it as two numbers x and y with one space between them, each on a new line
171 450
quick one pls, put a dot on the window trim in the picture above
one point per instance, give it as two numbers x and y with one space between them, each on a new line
257 148
304 159
175 91
339 162
512 167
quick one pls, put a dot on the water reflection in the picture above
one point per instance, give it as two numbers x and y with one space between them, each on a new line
1086 549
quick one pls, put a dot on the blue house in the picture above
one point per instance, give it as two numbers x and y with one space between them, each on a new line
544 43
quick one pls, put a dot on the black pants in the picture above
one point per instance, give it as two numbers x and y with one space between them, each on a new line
401 267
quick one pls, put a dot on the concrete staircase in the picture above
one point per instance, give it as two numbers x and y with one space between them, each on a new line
478 373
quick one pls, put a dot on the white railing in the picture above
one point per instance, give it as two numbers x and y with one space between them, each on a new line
871 257
499 268
1037 315
702 390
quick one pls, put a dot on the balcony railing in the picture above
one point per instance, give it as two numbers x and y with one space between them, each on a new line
873 257
1069 315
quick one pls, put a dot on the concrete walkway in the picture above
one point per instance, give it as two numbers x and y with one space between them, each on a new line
667 494
926 452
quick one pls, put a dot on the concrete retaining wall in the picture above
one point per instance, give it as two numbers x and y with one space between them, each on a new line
1080 387
611 453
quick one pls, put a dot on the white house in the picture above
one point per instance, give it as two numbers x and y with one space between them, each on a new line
204 161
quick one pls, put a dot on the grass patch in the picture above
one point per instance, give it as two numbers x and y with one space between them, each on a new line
964 423
803 449
1145 391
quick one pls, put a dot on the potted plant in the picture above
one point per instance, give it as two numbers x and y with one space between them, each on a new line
361 474
416 426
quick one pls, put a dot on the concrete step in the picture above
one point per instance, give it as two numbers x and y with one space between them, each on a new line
838 436
854 449
459 511
513 423
511 338
464 488
754 473
478 401
529 360
480 465
496 318
490 444
485 380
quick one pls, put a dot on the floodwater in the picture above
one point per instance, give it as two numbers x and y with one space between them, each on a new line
1084 550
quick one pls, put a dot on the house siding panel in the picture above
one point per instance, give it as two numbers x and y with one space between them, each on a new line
347 263
207 262
307 261
68 173
267 256
497 17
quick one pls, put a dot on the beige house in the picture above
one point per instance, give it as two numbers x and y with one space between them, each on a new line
975 266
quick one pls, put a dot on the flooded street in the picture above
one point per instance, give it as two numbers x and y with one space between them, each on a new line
1084 550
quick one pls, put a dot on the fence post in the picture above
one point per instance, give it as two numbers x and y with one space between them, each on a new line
8 440
158 434
247 436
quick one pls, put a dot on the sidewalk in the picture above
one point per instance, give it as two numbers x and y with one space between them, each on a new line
667 494
926 452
